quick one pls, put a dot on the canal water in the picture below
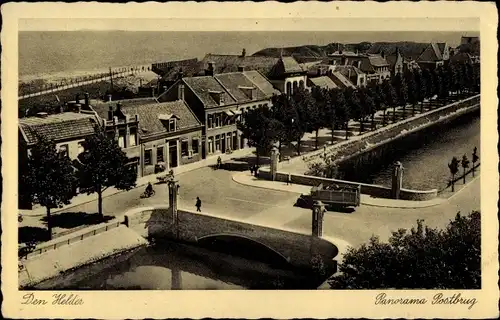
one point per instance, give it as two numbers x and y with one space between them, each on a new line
425 156
173 266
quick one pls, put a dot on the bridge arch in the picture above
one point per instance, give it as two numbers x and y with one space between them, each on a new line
244 247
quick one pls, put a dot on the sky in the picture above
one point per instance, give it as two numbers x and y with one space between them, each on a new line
256 24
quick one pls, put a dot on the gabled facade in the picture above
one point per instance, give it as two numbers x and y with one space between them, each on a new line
219 101
287 75
396 62
432 57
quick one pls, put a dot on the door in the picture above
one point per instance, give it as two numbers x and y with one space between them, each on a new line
203 148
172 154
223 142
235 141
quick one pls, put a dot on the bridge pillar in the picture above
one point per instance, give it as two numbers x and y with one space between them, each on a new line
275 155
397 179
318 212
173 189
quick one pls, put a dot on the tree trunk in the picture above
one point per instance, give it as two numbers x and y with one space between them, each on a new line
393 114
361 126
279 148
464 175
99 202
257 160
346 130
333 132
404 110
298 147
473 169
383 117
49 224
316 140
413 110
453 183
373 121
422 106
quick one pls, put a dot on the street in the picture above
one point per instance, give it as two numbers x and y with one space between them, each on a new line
220 194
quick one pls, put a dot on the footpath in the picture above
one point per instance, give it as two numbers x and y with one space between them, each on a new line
245 178
85 198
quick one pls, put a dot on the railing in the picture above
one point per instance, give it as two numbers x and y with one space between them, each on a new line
27 90
72 238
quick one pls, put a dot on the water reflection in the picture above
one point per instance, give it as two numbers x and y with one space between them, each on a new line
173 266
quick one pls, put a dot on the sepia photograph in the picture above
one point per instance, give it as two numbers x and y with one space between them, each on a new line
167 154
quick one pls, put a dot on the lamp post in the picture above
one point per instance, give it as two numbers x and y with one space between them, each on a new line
173 190
318 212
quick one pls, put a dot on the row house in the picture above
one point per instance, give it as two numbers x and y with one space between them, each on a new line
338 76
219 100
155 136
374 66
67 130
287 75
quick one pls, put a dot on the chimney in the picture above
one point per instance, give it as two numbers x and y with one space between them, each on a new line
180 75
180 91
118 107
241 68
243 52
110 113
110 97
211 69
87 102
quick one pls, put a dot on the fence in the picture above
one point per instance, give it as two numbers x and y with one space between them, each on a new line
31 90
71 238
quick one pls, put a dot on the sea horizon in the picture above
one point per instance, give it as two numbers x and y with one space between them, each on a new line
67 52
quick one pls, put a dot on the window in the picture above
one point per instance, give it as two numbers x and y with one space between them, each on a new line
184 148
171 125
121 139
63 150
211 145
217 120
132 139
195 145
147 157
159 154
80 147
217 143
210 121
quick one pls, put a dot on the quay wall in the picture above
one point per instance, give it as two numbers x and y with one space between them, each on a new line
58 256
372 151
287 247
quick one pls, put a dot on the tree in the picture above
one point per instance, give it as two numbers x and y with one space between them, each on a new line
377 93
283 113
50 177
453 166
316 111
430 83
412 89
365 107
424 258
465 164
331 111
390 99
102 165
420 82
325 168
341 109
353 107
302 103
475 158
398 81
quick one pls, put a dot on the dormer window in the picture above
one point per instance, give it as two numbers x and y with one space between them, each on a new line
172 125
249 91
169 121
218 97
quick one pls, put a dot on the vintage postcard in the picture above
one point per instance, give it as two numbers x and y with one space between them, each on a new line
250 160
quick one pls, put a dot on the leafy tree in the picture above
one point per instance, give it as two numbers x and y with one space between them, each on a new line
50 177
331 119
465 164
353 105
341 109
260 128
316 111
420 82
325 168
424 258
283 113
390 99
475 158
412 89
365 107
400 86
103 164
377 93
302 102
430 83
453 166
463 78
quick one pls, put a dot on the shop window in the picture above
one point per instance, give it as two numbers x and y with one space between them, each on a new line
147 157
195 145
211 145
159 154
217 143
184 148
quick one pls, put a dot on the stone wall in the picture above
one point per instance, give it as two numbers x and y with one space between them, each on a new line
368 189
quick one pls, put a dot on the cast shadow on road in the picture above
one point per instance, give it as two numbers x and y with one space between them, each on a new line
70 220
32 234
305 203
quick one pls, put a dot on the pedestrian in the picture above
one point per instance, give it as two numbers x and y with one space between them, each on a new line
251 170
198 204
219 162
288 179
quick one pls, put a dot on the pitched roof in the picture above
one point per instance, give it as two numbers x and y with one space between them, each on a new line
57 127
432 53
101 108
234 82
323 82
442 46
377 60
203 88
345 70
410 50
149 116
341 81
261 82
230 63
163 68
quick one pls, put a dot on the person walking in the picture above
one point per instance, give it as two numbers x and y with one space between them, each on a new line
219 162
288 179
198 204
